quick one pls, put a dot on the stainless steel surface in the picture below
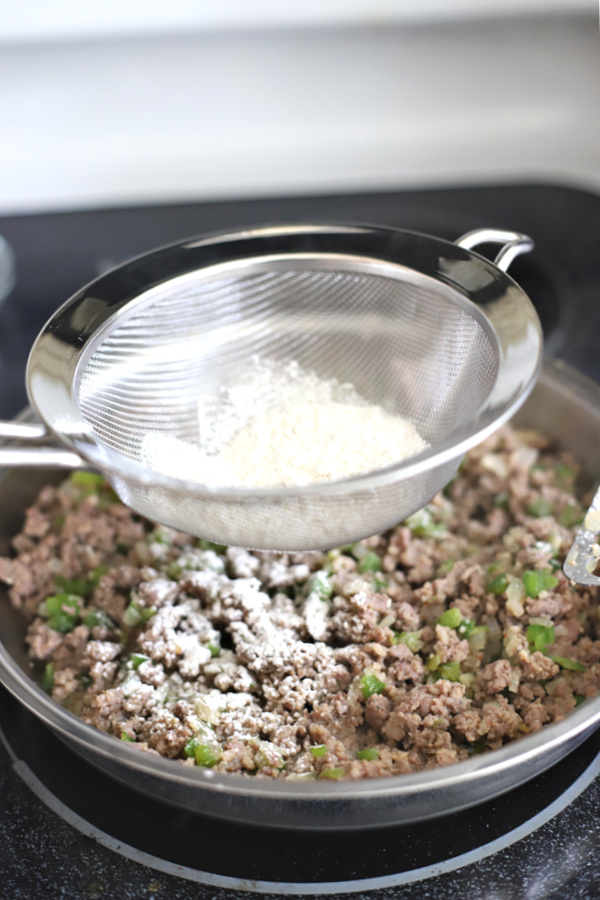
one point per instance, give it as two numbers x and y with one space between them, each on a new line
583 560
27 431
37 455
566 406
514 244
421 326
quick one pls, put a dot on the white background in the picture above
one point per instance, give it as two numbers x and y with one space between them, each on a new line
40 20
131 102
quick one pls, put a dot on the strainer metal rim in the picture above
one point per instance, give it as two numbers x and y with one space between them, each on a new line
69 337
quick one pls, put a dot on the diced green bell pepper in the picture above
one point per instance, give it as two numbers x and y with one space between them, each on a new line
369 753
537 580
539 636
370 684
451 618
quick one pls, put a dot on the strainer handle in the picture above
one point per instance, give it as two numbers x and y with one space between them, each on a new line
36 454
514 242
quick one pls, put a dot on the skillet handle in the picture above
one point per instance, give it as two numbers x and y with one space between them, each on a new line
36 455
514 242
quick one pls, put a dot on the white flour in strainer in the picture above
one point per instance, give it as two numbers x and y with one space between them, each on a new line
284 427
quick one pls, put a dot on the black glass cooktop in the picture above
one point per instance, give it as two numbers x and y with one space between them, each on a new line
67 831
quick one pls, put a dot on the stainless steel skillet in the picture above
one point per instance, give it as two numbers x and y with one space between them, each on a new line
564 405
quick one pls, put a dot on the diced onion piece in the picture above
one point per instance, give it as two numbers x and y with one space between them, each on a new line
495 463
527 456
511 642
515 594
478 638
592 520
540 620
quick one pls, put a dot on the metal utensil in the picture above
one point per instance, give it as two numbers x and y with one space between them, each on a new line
583 560
424 327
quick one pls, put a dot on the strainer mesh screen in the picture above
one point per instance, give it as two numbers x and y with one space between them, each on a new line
414 348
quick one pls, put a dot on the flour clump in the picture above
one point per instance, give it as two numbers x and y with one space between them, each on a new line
284 427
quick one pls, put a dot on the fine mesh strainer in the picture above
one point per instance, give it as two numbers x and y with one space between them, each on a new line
423 327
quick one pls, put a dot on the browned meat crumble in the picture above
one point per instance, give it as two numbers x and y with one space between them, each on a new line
451 634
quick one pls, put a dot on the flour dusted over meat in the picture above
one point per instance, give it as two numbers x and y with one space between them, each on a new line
285 427
452 633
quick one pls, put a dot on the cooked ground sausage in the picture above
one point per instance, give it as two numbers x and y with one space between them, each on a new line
450 634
